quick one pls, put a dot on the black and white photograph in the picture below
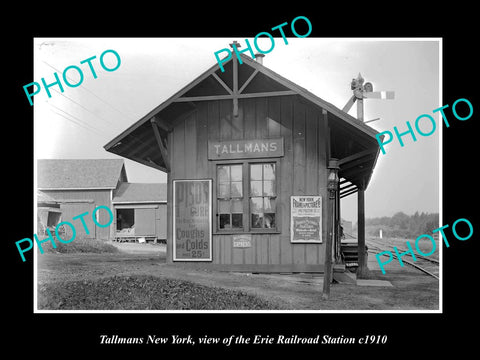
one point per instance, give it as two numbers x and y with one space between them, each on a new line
282 183
298 182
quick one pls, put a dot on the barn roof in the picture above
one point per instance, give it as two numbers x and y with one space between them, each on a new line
46 202
45 199
141 193
77 174
352 141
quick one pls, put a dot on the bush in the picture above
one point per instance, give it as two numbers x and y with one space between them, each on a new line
80 245
144 292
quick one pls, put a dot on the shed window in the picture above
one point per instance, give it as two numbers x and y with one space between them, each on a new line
246 197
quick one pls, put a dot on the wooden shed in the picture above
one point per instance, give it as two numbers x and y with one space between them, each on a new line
80 185
140 212
247 154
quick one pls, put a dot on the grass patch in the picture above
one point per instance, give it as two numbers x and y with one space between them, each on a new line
80 245
143 292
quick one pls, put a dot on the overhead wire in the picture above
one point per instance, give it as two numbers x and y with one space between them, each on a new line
83 107
78 121
92 93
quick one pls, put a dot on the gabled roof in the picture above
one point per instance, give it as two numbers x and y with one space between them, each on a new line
70 174
140 193
145 140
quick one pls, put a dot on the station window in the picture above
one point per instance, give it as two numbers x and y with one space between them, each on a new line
246 197
262 196
230 196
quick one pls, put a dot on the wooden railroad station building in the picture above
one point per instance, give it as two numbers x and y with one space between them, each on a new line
247 153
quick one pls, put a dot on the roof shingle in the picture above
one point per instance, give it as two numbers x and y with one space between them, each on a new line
140 192
78 173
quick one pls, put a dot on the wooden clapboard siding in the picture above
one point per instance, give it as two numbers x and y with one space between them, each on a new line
302 171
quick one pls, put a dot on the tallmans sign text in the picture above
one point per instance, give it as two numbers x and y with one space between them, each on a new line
242 149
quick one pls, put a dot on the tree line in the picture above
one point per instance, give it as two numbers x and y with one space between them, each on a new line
402 225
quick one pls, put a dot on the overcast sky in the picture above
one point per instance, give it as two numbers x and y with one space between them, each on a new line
80 121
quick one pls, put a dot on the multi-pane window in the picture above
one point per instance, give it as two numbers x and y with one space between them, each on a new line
246 196
262 196
230 196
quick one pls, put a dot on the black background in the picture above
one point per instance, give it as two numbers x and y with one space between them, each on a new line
60 335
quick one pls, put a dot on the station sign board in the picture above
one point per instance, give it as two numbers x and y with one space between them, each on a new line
245 149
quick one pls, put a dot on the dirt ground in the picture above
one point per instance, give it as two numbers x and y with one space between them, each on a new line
411 290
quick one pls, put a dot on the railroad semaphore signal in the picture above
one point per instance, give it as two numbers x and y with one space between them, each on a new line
364 91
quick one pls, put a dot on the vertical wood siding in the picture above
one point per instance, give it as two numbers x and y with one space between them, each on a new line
99 197
302 171
161 221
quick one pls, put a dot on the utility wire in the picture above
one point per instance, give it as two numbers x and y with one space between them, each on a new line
91 92
83 107
78 121
80 125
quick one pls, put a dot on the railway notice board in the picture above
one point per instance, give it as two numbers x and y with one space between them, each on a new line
306 219
192 220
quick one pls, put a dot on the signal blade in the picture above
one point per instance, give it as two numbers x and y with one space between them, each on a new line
349 104
389 95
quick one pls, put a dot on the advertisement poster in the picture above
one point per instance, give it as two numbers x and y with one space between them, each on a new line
192 224
306 219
